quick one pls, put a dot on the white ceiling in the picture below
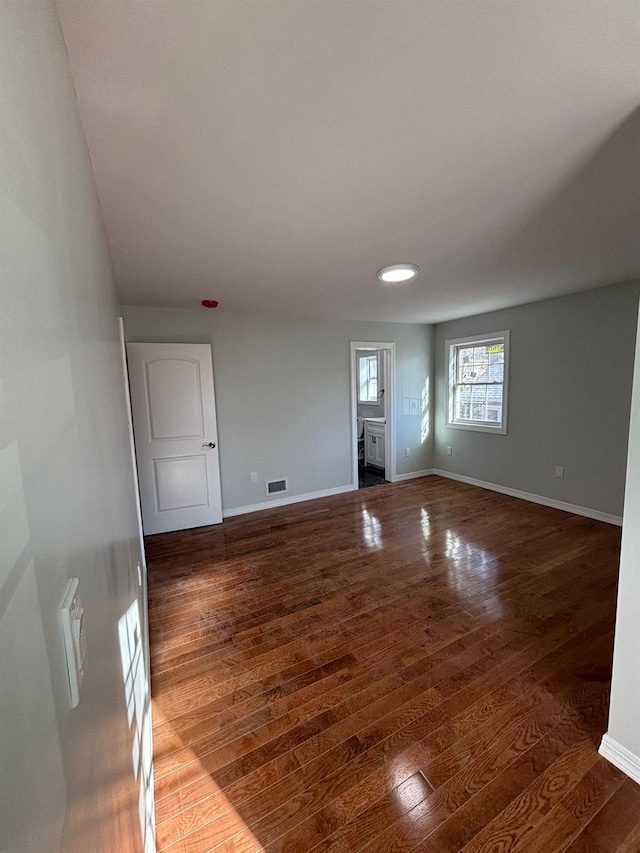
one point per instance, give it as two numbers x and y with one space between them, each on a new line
273 154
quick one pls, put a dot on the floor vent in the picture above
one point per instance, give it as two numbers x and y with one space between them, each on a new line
275 486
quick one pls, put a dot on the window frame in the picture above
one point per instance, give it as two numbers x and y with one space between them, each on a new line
368 356
452 347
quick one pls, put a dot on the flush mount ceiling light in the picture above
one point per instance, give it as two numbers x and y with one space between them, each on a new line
397 273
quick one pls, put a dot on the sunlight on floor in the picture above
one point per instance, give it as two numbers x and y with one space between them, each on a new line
464 559
371 530
425 525
223 823
425 522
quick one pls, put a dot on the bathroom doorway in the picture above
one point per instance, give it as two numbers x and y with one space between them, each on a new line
372 413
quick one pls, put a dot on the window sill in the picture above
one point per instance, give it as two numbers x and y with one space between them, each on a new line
499 429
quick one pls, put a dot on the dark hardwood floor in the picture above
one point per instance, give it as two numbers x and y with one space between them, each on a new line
369 476
423 666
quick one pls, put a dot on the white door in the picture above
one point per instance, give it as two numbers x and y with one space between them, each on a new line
174 422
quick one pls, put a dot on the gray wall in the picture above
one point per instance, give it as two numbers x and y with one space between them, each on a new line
625 687
282 389
66 496
283 393
569 399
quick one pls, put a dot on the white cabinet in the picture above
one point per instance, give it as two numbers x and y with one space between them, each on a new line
374 444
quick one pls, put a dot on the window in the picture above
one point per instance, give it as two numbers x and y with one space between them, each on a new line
478 382
368 378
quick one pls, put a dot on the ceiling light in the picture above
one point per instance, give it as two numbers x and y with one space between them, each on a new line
397 273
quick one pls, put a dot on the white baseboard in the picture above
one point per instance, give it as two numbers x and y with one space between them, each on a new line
536 499
413 475
293 499
620 757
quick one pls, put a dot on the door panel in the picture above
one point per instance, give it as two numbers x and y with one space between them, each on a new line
181 482
174 398
174 418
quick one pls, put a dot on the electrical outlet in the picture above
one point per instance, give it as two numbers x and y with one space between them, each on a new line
559 471
253 476
449 450
407 451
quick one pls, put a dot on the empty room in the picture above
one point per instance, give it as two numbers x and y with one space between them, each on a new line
320 426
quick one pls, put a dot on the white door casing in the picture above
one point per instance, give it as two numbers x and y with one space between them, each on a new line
174 419
138 684
389 353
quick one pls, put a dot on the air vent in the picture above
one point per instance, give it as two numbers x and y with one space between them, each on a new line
275 486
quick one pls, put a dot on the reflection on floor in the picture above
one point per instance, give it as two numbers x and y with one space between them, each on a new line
370 476
423 667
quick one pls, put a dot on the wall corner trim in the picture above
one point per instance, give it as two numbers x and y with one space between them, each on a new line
413 475
620 757
536 499
293 499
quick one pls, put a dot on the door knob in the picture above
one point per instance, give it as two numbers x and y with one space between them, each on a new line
211 444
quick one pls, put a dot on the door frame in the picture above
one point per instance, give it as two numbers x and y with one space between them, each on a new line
389 349
146 779
142 563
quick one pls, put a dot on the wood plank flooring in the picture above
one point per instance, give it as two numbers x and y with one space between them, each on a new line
422 666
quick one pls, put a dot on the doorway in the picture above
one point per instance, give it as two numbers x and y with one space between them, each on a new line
372 413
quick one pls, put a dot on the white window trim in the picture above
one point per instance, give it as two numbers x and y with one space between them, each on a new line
450 345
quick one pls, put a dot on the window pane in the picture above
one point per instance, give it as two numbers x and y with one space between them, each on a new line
496 367
473 364
494 395
479 403
478 413
496 372
480 355
363 389
478 395
463 402
465 364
